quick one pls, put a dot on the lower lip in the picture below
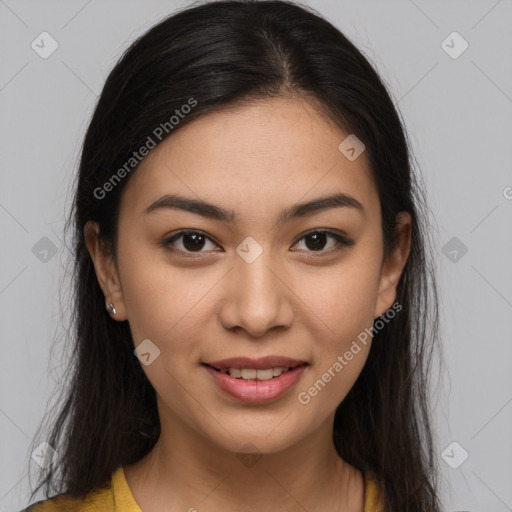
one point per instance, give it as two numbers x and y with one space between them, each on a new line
256 391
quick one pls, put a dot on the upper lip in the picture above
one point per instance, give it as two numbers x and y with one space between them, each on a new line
257 364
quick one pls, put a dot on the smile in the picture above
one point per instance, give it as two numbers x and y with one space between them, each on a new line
256 385
252 373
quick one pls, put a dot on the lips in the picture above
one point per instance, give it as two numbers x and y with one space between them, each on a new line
255 391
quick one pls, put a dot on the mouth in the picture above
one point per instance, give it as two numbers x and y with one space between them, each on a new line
265 368
256 381
256 373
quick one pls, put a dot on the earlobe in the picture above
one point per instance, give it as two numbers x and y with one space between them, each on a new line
393 266
106 271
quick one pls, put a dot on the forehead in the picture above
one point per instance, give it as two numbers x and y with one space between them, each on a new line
280 150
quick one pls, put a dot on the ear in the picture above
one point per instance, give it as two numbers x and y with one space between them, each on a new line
393 266
106 270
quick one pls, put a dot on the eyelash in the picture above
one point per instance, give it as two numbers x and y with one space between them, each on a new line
342 242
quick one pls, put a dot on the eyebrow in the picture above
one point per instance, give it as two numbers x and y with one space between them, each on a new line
211 211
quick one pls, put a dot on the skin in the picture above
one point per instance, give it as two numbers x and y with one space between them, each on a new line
256 159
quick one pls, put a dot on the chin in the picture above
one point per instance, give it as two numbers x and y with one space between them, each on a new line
258 440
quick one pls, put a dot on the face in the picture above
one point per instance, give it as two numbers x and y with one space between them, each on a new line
253 283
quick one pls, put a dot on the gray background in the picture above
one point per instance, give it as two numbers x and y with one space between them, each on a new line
458 114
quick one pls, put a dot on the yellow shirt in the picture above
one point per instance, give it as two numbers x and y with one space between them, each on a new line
118 498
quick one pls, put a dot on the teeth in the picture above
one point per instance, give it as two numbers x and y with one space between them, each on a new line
264 374
251 373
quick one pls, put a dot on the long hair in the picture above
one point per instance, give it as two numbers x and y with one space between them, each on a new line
211 56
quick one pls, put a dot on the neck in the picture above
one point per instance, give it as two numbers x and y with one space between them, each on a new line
187 471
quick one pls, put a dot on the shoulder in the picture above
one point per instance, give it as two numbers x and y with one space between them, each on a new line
56 504
374 496
115 497
101 499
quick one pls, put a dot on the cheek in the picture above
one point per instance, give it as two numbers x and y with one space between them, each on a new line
159 297
341 300
337 359
342 306
165 304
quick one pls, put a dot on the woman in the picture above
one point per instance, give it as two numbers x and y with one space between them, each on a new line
252 280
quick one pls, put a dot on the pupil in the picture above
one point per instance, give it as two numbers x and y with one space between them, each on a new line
319 240
197 241
193 241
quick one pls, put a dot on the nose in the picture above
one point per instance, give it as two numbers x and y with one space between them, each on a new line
257 296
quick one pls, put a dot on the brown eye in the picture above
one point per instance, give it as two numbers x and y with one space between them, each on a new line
191 241
316 241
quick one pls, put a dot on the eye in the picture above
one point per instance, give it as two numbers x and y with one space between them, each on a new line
315 241
192 242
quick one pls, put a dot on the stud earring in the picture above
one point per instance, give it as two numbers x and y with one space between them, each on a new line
111 309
